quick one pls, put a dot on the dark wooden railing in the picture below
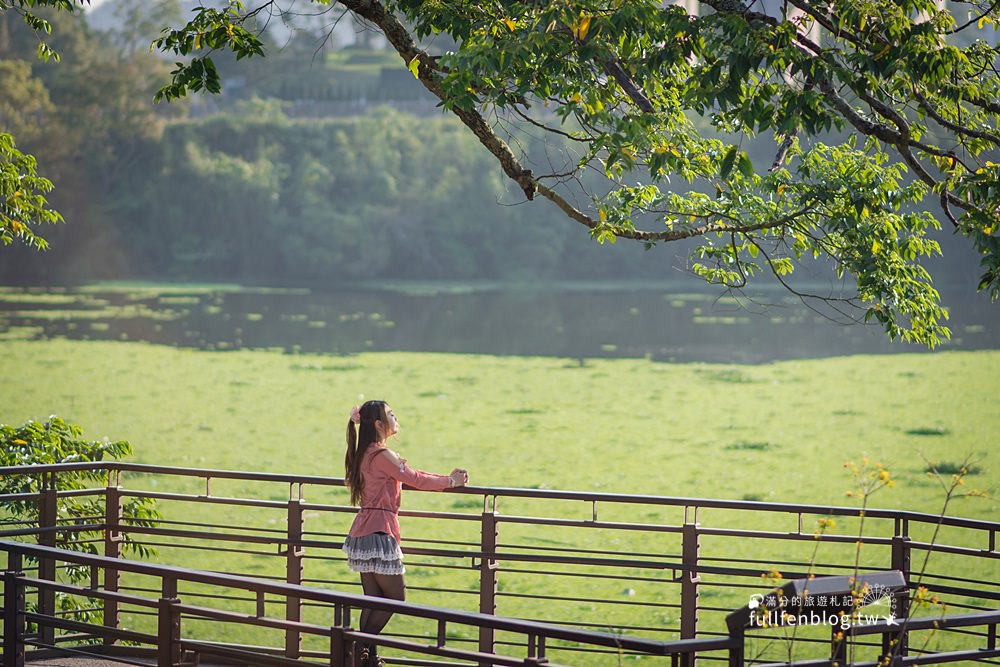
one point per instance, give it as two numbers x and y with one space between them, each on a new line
676 555
171 610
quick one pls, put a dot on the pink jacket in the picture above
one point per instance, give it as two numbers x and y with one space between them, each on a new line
380 496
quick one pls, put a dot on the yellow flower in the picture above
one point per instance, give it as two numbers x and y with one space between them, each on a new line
772 576
20 442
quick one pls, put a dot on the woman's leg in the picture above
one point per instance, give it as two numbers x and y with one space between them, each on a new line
372 621
365 652
392 586
370 587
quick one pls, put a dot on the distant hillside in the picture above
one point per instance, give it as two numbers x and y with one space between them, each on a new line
103 18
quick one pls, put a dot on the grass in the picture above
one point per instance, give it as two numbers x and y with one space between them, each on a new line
609 425
775 433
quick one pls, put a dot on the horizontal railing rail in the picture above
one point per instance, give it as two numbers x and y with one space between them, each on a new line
991 527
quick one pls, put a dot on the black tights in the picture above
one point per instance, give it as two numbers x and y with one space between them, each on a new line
391 586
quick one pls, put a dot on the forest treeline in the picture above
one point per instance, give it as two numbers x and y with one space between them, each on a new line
250 195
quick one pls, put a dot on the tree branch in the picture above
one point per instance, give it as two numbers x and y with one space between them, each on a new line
866 127
613 68
940 152
399 37
542 126
739 265
738 7
947 124
826 23
947 209
428 73
899 138
802 295
401 40
962 27
983 103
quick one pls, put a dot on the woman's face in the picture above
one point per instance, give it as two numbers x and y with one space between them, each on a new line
390 426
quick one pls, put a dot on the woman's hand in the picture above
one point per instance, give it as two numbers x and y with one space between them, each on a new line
459 477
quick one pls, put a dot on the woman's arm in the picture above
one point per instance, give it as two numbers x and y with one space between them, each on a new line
389 462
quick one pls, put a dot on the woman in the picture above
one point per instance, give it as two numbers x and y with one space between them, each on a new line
375 475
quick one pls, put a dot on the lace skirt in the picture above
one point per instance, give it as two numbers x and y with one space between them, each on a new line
377 552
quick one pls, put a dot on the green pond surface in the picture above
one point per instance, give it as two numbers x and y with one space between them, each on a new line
662 323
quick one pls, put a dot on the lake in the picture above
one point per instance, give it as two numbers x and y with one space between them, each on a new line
667 323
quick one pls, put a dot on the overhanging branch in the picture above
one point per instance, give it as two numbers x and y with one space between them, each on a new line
427 73
954 127
397 35
866 127
628 85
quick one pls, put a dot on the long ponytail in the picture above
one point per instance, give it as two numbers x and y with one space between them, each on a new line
352 476
359 439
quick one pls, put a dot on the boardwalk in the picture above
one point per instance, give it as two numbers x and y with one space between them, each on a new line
686 565
83 661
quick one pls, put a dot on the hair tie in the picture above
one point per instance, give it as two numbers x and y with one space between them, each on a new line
356 414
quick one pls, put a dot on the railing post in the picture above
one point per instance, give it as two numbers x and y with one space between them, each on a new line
838 647
168 635
488 577
690 547
337 647
294 570
340 649
737 650
113 513
13 613
48 520
896 644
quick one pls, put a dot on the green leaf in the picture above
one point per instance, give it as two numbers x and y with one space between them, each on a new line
746 165
727 163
